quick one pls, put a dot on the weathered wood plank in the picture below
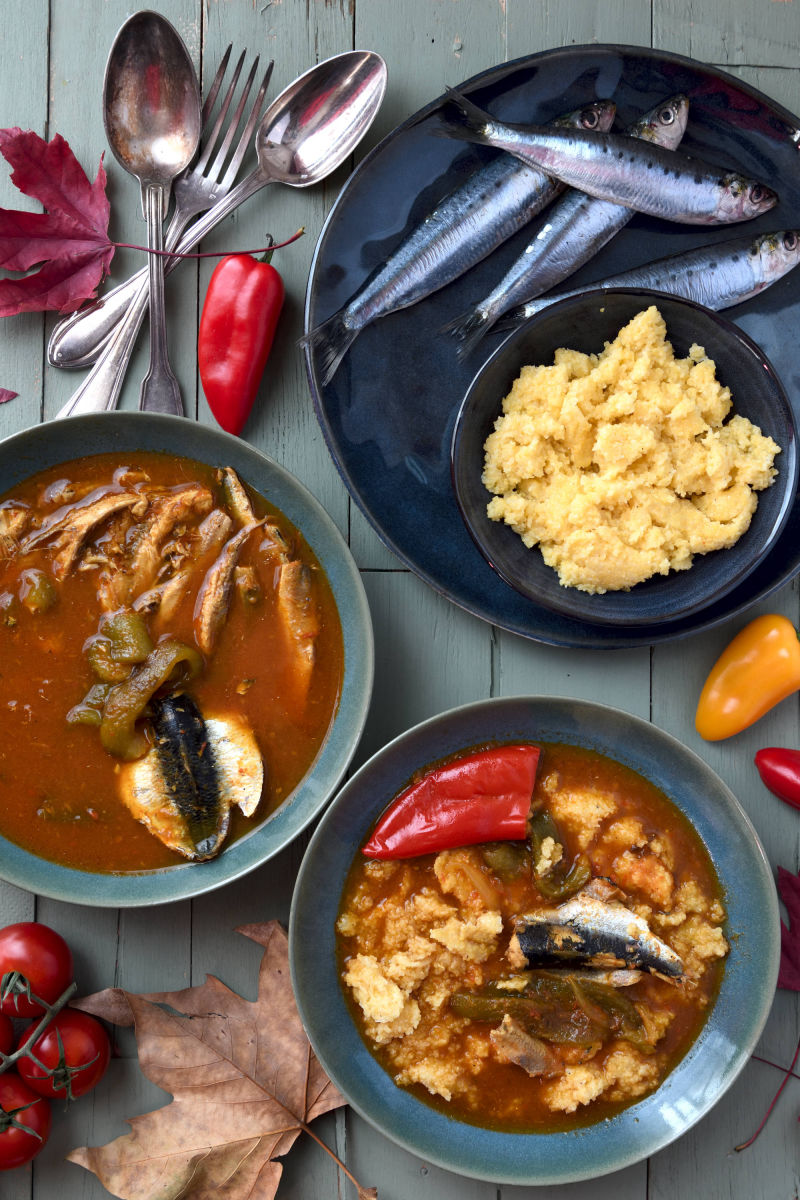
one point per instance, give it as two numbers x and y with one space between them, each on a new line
744 33
429 656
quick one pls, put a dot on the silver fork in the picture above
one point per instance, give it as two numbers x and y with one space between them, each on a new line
78 340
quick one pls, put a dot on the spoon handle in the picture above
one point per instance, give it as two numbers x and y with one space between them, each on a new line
160 389
78 340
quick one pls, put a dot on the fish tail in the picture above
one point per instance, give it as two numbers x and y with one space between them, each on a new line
511 320
468 329
329 342
462 119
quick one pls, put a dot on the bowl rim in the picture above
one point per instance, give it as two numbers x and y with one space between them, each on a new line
788 477
272 835
471 1152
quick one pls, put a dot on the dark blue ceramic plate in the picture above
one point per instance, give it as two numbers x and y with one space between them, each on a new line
388 413
59 441
585 323
697 1082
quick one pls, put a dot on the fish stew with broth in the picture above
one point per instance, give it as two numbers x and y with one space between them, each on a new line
546 983
170 661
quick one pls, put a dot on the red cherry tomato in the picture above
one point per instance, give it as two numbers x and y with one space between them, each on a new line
6 1034
75 1048
34 961
24 1122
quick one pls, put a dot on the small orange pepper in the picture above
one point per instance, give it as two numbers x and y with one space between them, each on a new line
759 668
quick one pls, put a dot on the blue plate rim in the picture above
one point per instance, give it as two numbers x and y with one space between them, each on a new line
565 1145
600 637
54 881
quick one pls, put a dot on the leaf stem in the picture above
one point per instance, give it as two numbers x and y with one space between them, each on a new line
8 1060
307 1129
789 1071
210 253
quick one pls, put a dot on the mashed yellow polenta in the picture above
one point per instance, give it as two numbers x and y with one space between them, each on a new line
619 466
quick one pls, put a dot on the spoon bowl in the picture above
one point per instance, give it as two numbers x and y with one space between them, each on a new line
318 120
151 108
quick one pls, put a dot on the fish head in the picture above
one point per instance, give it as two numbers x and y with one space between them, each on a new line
777 253
665 124
599 115
742 198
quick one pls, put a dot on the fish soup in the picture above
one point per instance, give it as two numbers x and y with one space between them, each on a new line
170 661
540 984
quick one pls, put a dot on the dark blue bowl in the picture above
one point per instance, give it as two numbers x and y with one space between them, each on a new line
61 441
699 1079
585 322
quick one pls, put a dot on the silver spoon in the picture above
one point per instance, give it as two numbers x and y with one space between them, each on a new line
305 134
151 111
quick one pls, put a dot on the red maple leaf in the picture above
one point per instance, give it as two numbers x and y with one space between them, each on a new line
68 242
789 889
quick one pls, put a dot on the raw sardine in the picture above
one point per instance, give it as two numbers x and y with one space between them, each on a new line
587 929
613 166
573 231
468 224
717 276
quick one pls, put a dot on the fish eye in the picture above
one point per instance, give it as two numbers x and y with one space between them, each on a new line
666 116
590 118
758 193
790 241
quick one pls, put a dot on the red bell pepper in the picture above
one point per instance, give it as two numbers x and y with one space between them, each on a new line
483 797
240 313
779 769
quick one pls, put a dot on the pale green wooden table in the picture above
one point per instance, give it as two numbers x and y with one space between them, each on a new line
430 655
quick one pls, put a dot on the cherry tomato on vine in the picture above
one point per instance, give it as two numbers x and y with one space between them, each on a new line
74 1048
34 961
24 1122
6 1034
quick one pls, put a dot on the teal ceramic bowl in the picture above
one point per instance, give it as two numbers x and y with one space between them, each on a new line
60 441
700 1078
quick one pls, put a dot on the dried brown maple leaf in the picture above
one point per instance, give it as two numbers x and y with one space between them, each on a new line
70 240
243 1078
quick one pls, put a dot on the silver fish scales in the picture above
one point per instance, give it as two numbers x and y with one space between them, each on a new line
615 167
467 225
574 230
718 276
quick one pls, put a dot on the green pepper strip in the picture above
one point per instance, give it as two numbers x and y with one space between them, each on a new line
129 639
101 662
126 702
551 1008
562 881
505 859
36 591
90 709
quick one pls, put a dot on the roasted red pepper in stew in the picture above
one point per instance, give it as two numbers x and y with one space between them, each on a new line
483 797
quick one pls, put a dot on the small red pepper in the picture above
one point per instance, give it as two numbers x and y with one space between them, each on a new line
484 797
241 310
779 769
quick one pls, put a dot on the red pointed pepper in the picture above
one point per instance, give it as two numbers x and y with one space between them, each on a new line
779 769
483 797
240 314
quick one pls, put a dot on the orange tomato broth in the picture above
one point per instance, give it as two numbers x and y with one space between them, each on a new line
58 790
509 1099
